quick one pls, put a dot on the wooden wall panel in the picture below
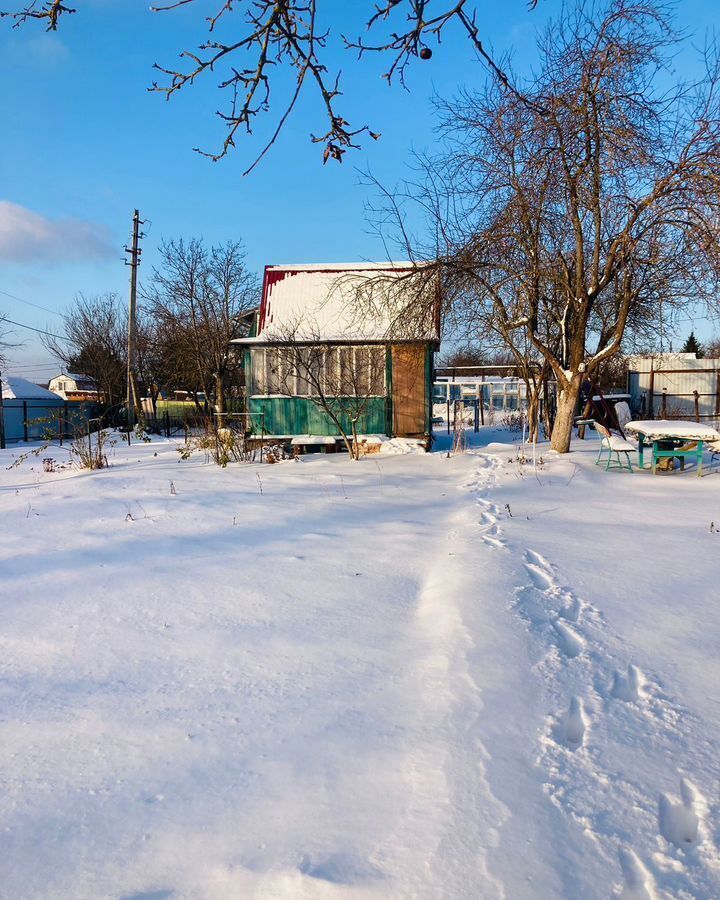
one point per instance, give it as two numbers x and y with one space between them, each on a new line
409 390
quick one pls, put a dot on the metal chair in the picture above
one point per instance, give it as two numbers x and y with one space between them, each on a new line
714 448
613 444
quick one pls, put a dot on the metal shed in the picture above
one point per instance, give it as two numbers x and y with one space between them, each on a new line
676 386
28 410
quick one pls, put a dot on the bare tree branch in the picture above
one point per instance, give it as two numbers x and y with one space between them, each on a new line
279 36
49 11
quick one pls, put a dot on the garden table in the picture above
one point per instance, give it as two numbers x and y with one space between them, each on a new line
657 431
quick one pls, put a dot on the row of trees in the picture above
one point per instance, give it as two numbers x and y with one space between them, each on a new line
194 303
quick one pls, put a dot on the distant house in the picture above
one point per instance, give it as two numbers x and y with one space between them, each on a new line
351 312
74 387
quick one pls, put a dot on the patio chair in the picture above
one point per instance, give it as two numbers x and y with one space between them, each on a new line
613 444
622 411
714 448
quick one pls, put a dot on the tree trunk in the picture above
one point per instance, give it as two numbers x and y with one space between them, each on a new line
565 416
220 409
154 394
533 406
356 446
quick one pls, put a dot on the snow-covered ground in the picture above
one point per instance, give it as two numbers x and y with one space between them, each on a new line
406 677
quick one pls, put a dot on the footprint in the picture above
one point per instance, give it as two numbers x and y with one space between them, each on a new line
487 518
570 642
149 895
493 542
541 579
530 607
626 687
574 725
536 559
341 869
678 820
638 885
571 612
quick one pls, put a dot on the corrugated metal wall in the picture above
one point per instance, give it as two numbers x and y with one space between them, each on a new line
31 420
665 387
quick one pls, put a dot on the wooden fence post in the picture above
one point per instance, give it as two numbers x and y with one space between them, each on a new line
651 394
697 406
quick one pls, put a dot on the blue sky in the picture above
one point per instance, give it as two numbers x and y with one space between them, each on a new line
83 143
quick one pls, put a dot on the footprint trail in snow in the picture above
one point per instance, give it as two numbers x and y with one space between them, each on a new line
612 740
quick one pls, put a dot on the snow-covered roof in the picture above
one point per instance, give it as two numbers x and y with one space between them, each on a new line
20 389
76 377
342 302
340 267
663 361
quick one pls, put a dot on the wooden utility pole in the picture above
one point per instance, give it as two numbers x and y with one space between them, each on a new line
134 250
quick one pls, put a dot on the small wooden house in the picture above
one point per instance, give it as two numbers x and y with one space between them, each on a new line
333 343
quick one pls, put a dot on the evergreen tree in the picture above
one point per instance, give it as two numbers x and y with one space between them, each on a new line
691 346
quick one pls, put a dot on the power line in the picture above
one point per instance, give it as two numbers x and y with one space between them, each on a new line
30 328
38 368
35 366
29 303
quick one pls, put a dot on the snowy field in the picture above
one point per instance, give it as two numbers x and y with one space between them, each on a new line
406 677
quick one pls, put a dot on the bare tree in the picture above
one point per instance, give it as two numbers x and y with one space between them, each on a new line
250 56
562 222
94 343
5 343
155 372
196 299
341 380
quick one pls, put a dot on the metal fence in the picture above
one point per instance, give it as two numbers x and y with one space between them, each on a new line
35 420
173 417
675 387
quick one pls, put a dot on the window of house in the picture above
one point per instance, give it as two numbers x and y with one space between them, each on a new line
306 371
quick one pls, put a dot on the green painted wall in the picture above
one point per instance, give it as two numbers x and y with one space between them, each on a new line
299 415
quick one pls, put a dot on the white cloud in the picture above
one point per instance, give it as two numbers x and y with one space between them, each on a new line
27 237
44 49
